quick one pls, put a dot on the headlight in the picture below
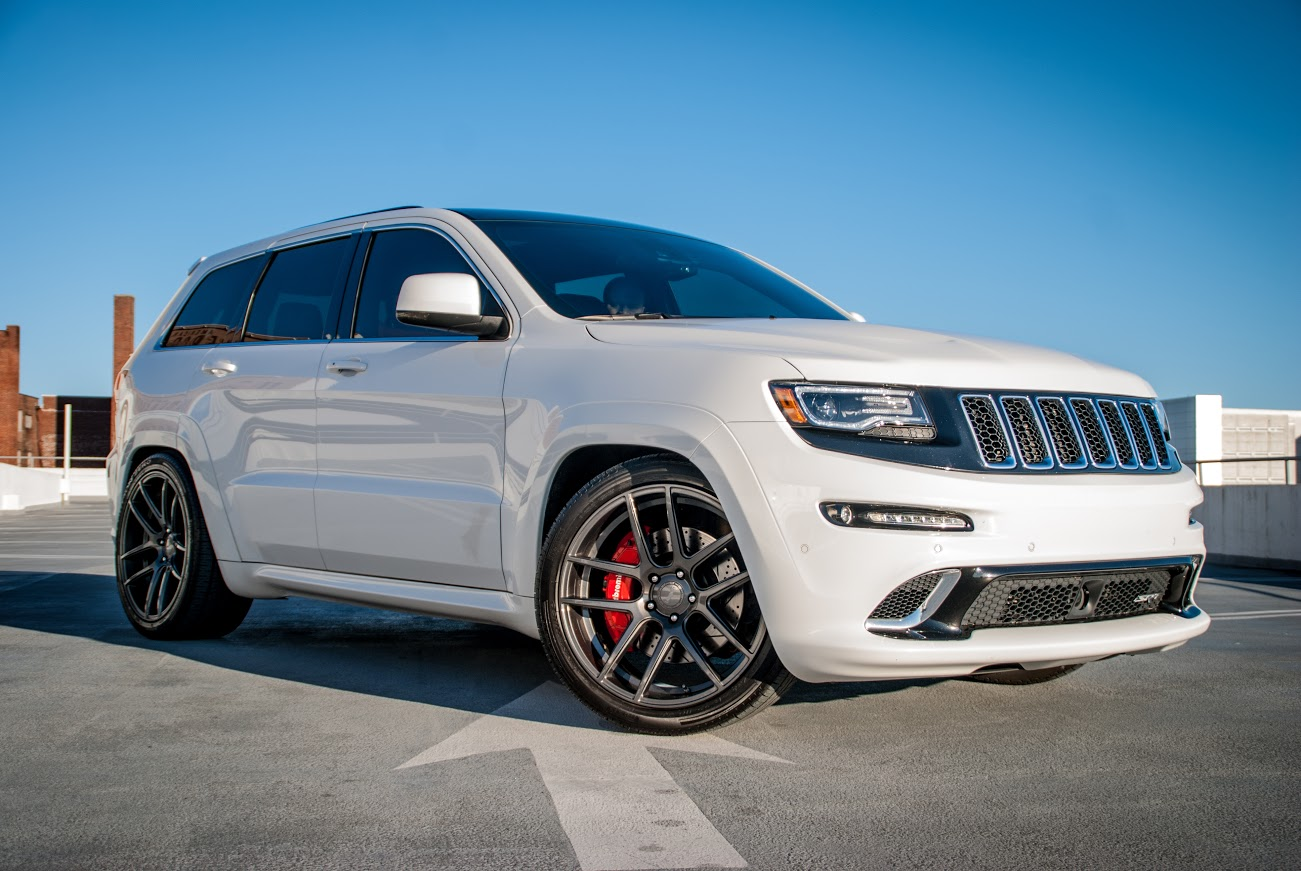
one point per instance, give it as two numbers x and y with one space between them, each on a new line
881 412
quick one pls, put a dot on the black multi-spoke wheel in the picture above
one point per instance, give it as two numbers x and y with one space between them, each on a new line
646 608
167 575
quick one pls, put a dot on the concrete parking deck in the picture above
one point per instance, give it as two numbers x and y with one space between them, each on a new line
327 736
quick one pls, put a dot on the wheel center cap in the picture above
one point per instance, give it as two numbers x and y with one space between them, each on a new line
170 547
670 597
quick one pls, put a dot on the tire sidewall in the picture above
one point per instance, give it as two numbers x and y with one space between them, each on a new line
176 477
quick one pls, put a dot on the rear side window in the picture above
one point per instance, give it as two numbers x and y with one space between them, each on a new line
215 311
394 256
294 300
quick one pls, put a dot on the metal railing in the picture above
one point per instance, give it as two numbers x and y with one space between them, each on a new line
34 461
65 459
1289 468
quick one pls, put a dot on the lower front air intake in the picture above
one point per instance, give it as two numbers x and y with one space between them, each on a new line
952 603
1036 600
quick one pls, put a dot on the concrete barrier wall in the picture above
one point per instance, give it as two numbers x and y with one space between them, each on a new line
87 482
1253 525
21 487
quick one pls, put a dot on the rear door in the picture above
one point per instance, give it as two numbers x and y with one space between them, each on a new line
255 401
411 429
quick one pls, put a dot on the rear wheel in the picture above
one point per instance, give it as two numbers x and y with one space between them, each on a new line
1025 676
645 606
167 575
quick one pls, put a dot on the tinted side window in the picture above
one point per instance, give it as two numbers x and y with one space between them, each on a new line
294 299
214 314
394 256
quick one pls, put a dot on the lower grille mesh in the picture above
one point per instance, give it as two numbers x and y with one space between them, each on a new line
1119 597
1032 600
906 598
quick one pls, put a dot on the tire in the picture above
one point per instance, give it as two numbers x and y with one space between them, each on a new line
645 608
167 575
1024 676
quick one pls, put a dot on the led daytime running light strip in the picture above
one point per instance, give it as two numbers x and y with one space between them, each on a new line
859 515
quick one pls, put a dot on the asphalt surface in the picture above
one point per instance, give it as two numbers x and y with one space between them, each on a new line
282 746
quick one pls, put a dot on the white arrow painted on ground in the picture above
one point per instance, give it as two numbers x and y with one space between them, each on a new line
619 807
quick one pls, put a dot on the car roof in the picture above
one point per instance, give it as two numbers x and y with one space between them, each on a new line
477 215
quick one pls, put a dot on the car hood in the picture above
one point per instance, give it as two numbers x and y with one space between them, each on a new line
868 353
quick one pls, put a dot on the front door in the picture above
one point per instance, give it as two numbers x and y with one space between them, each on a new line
410 431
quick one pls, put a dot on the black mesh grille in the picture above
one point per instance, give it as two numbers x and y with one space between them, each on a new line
1065 442
1029 600
906 598
1140 433
1116 427
1025 429
1158 435
1132 593
1024 601
1087 414
988 430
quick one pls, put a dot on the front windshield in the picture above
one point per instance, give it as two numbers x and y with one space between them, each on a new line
600 271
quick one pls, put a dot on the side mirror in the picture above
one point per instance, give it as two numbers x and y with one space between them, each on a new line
446 301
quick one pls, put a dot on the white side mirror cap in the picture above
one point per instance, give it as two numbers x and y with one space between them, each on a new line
446 301
450 293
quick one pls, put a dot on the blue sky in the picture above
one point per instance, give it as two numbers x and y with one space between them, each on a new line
1119 180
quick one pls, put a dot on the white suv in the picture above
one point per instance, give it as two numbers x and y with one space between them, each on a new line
686 473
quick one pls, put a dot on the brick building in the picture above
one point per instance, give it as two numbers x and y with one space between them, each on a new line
124 330
20 418
31 429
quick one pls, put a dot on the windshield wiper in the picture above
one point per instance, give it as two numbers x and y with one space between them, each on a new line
641 316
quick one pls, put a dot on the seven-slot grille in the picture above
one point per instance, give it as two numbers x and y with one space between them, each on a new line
1044 432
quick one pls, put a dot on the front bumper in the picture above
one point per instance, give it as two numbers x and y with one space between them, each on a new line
817 583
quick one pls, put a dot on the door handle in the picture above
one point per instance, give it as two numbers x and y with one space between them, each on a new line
221 368
346 367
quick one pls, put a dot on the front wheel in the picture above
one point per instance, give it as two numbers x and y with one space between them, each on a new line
645 606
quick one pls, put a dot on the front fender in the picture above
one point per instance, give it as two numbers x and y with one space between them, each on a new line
538 440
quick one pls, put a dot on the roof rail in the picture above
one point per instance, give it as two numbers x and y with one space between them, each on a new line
371 212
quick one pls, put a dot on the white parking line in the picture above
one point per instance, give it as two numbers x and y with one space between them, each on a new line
1257 615
80 556
42 539
18 527
620 808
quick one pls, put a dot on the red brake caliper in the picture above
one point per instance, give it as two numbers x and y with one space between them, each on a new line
619 587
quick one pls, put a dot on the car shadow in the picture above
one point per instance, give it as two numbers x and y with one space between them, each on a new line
428 660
